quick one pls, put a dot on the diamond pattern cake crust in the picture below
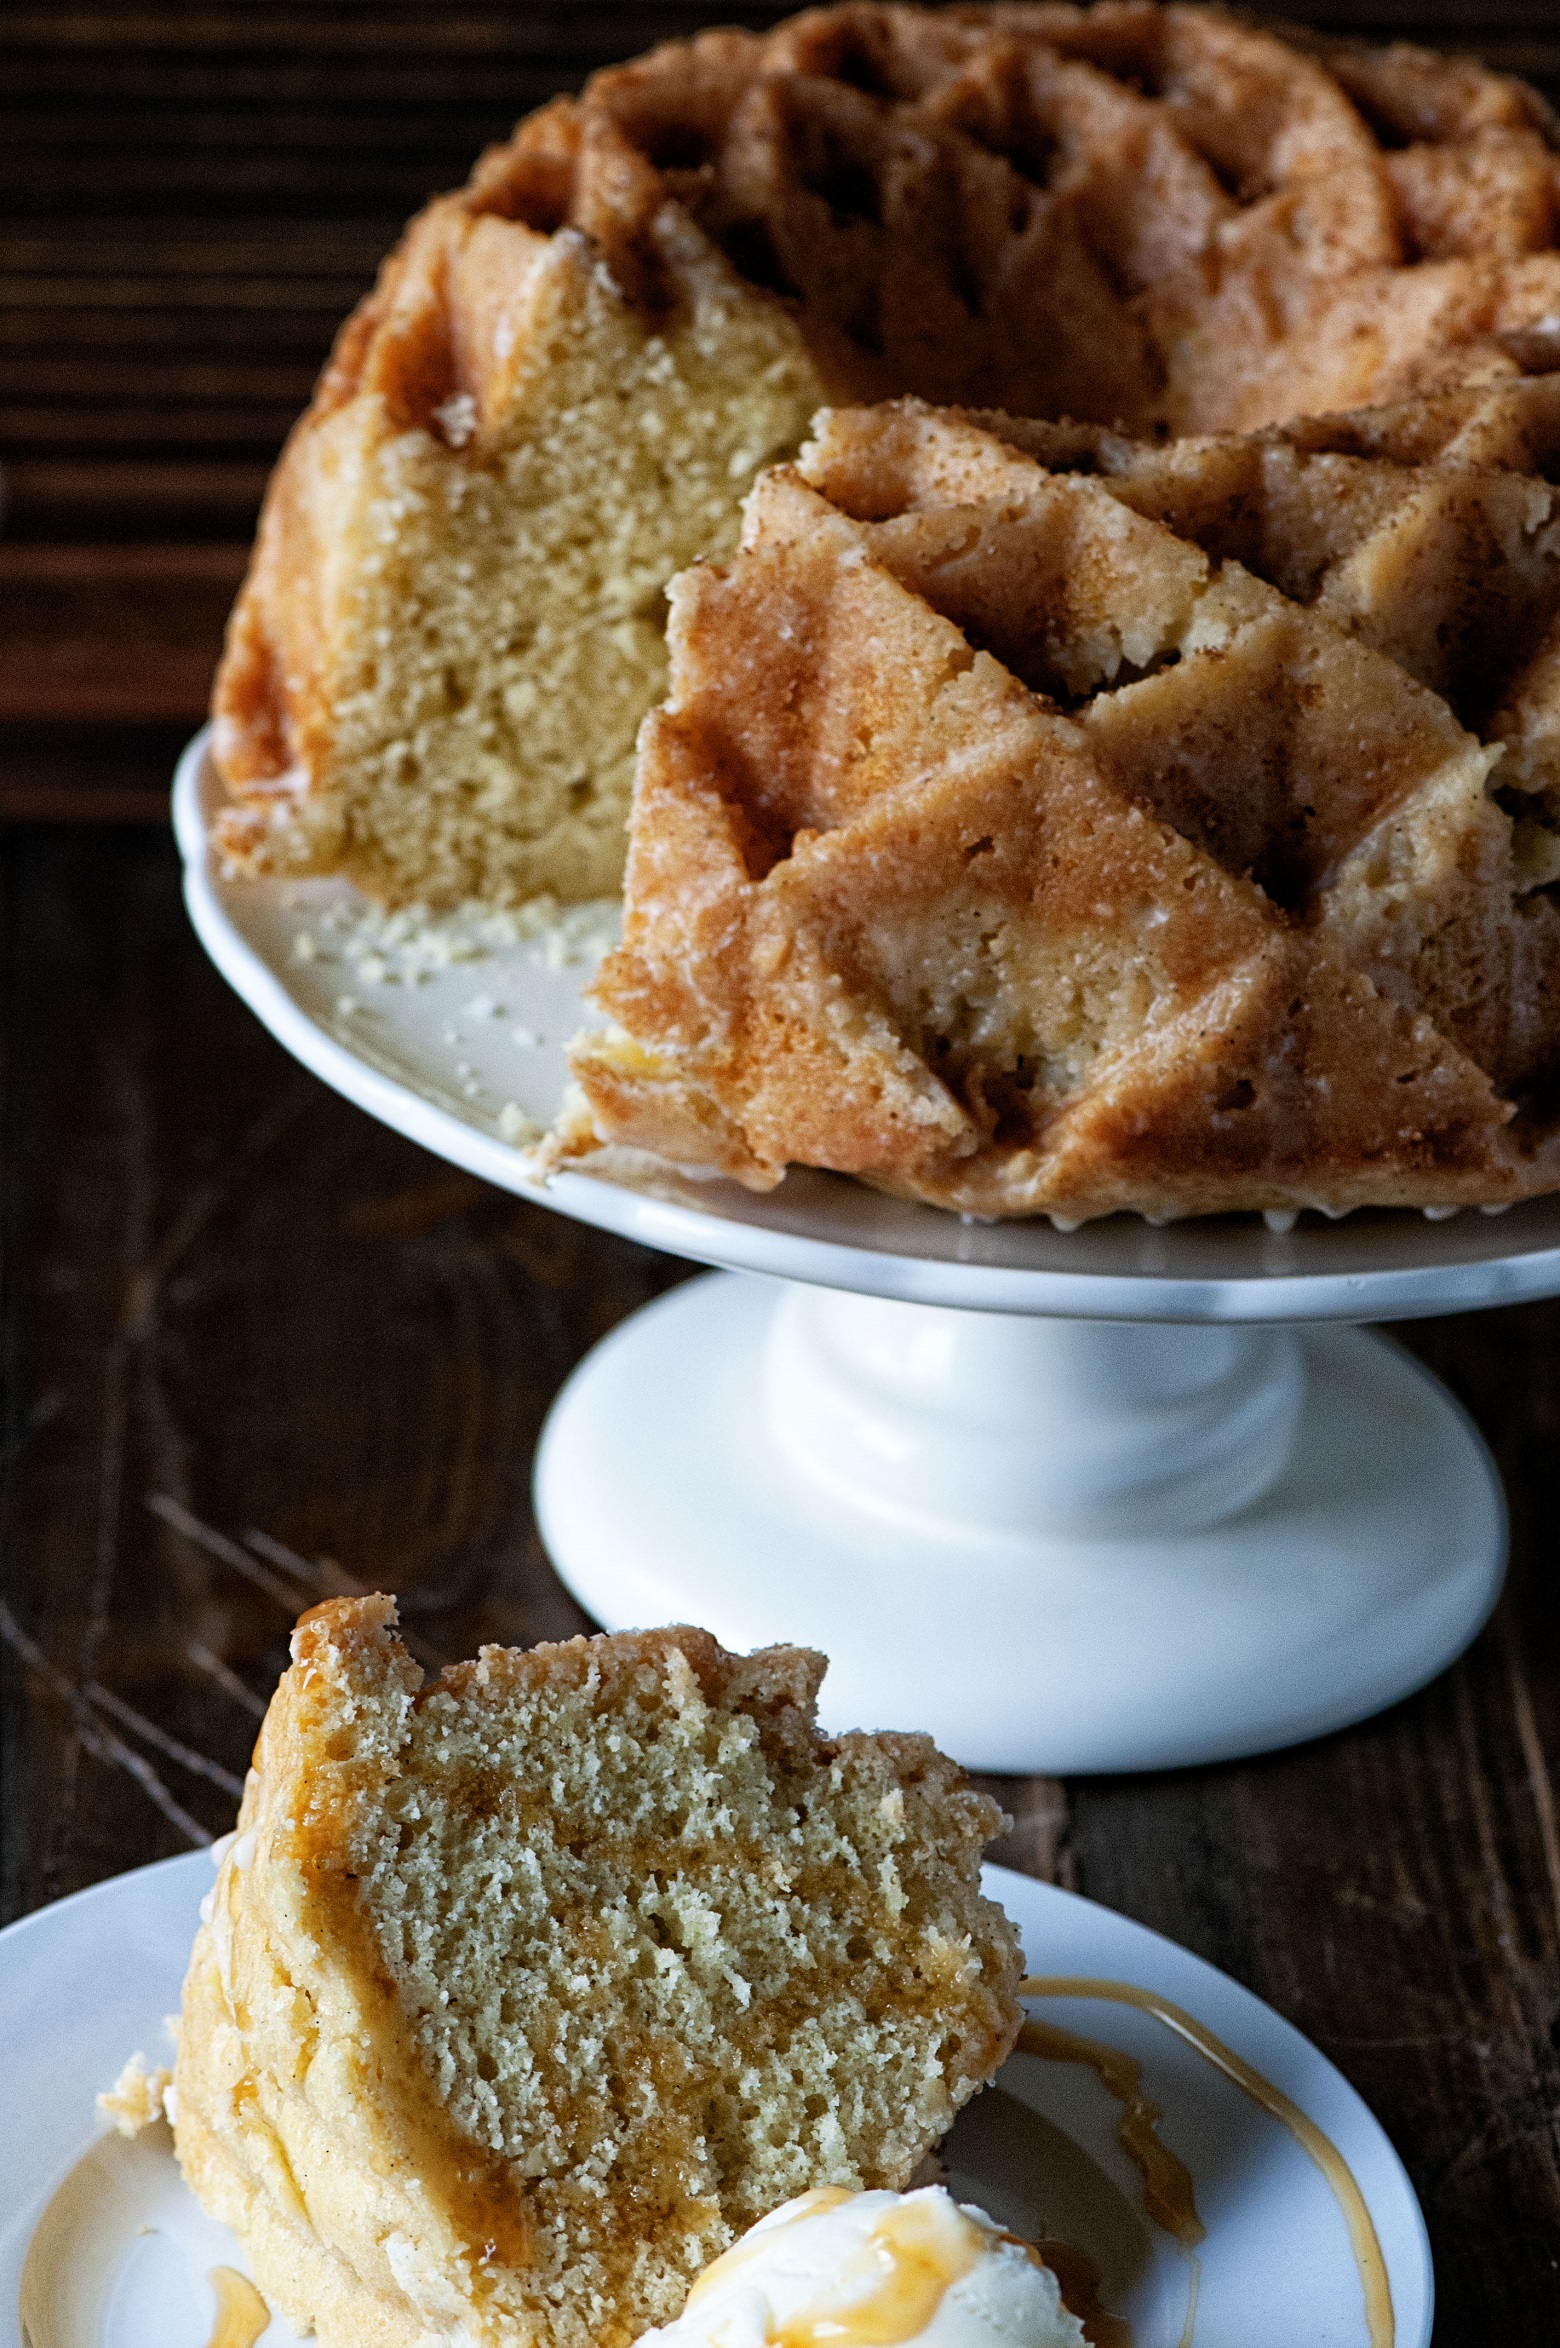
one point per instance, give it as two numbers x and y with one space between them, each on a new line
1010 842
1131 212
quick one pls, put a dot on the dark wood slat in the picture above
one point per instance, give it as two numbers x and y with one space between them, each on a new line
117 379
81 798
68 498
76 772
312 249
570 36
128 1262
126 634
30 569
207 193
1431 1968
296 182
156 424
101 139
220 1284
567 34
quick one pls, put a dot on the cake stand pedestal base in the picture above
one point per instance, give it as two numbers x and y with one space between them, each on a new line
1059 1546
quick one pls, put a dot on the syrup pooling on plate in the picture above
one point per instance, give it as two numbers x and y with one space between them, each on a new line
74 2274
242 2315
1168 2196
1167 2186
1335 2169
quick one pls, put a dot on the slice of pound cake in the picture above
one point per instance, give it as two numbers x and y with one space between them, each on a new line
524 1992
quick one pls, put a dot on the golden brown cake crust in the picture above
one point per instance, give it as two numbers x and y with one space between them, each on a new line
525 1990
1160 217
1009 842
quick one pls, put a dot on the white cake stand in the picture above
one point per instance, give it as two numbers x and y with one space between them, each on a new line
1119 1498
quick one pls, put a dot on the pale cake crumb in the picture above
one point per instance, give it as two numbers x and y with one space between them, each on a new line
515 1126
139 2097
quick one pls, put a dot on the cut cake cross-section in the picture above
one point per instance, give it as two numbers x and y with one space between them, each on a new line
1000 847
525 1991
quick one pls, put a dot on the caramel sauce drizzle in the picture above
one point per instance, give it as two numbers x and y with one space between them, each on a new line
913 2254
242 2315
1339 2177
486 2203
921 2252
486 2207
742 2254
1168 2195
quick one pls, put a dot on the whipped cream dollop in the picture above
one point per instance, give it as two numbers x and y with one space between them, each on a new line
875 2270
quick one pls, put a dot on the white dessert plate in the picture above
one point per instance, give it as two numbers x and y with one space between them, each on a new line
120 2254
440 1031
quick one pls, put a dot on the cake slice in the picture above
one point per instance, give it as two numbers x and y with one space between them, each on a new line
1001 847
524 1991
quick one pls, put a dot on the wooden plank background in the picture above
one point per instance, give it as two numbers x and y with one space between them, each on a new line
256 1346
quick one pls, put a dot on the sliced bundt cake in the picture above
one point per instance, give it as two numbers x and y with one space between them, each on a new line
570 373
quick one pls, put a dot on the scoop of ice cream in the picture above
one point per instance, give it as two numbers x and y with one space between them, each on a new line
875 2270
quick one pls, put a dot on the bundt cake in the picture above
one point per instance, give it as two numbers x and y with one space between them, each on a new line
523 1992
569 374
1123 829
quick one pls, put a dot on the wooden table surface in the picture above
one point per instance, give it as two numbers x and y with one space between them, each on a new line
257 1348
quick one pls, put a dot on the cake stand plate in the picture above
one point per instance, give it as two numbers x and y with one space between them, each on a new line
1070 1500
670 1479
